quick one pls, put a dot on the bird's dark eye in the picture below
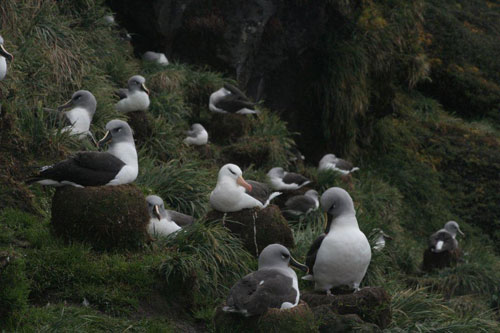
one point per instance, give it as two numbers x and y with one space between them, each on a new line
285 255
234 173
78 97
137 82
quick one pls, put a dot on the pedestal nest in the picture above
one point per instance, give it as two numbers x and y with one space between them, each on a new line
440 260
371 305
247 151
224 128
106 216
256 228
296 319
141 123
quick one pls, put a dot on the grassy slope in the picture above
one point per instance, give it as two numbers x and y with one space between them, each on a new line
405 186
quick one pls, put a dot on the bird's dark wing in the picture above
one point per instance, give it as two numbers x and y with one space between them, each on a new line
300 203
260 191
84 168
344 165
442 235
122 93
294 178
313 251
261 290
182 220
235 91
233 103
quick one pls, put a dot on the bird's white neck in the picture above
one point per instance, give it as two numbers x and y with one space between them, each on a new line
344 222
125 151
80 118
3 67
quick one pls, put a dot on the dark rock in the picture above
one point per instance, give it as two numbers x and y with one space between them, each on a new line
225 128
372 305
440 260
141 123
270 225
106 216
297 319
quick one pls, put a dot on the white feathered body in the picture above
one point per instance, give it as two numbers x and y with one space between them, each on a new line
135 101
163 227
230 197
199 140
81 119
215 97
126 152
343 257
3 68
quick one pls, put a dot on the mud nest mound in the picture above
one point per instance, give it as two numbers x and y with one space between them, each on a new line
433 261
106 216
226 128
141 123
296 319
372 305
257 228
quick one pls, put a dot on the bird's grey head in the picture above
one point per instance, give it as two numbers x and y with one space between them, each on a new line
137 83
336 202
3 51
197 128
234 172
151 56
117 131
156 207
453 228
276 172
278 256
83 99
329 158
312 193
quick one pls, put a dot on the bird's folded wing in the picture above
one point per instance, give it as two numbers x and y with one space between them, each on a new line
122 93
313 251
98 161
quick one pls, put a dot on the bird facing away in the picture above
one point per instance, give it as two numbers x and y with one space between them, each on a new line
4 56
135 97
342 255
273 285
229 194
160 223
117 166
230 99
283 180
331 162
83 105
156 57
302 204
445 239
197 136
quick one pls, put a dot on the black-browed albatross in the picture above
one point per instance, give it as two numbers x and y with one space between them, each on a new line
283 180
230 99
117 166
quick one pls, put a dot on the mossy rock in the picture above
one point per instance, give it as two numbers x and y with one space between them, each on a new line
297 319
247 151
14 286
372 305
141 123
440 260
106 216
226 128
270 225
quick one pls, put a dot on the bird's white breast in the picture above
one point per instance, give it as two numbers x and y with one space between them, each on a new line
3 68
162 227
80 118
200 139
229 197
136 101
215 97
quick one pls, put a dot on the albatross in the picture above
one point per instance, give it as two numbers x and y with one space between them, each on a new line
156 57
160 223
117 166
83 105
230 99
4 56
283 180
445 239
302 204
135 97
342 255
197 136
332 162
273 285
230 193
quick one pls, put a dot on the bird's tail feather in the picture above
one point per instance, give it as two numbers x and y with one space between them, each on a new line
271 197
354 169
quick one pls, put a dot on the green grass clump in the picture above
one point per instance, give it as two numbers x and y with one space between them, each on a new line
14 286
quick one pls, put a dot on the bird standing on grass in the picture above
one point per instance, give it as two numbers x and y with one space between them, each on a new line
117 166
342 255
135 97
273 285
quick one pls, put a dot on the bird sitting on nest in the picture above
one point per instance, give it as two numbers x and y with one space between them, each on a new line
302 204
444 240
342 255
332 162
283 180
156 57
135 97
230 99
160 223
197 136
273 285
230 193
117 166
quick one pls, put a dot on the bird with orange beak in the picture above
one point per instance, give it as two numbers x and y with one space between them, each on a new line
230 194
